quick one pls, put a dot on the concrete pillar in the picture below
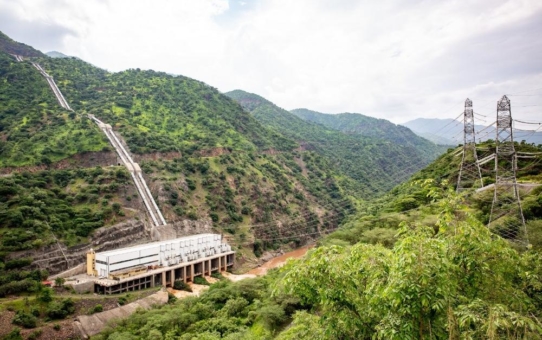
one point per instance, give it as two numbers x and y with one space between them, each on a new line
219 264
225 258
163 279
152 281
209 263
192 272
184 274
172 277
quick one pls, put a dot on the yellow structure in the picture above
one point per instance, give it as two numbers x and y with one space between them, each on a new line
91 263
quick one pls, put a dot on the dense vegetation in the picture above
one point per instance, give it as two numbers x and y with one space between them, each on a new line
355 123
455 281
376 164
155 111
66 204
289 199
378 220
33 130
243 310
220 163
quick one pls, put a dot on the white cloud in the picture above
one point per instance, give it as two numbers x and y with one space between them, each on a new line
391 59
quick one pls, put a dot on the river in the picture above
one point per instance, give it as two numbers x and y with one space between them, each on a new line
279 261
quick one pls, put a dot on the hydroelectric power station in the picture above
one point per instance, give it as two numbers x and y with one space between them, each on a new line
157 263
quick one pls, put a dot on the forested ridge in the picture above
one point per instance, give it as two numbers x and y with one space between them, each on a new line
355 123
377 161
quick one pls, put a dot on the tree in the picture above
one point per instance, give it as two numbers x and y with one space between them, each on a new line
458 281
59 282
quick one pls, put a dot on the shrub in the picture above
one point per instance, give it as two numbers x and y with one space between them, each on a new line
24 319
59 282
122 300
15 334
192 215
96 309
35 334
46 295
59 310
272 315
56 327
235 307
171 298
181 285
199 280
217 275
18 263
214 217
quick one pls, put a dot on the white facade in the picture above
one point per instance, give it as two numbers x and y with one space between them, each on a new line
164 253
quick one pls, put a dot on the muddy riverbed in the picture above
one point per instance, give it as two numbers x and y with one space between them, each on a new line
279 261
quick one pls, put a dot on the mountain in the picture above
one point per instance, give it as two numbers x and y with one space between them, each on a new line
450 132
209 164
376 164
10 46
355 123
56 54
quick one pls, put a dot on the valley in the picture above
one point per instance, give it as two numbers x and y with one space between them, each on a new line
382 244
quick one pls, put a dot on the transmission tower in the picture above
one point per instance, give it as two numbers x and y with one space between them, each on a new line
469 170
506 218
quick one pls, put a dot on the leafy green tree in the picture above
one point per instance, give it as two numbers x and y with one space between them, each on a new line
459 280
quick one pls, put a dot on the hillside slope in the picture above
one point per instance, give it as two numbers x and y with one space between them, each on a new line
11 46
355 123
375 164
414 201
206 160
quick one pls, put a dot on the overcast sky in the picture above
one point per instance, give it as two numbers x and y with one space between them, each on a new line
391 59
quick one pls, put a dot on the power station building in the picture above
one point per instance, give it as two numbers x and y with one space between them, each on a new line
158 263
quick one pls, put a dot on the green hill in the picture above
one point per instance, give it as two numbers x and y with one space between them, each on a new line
376 164
33 129
204 157
411 201
11 46
355 123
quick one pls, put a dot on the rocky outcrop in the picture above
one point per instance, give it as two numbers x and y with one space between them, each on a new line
182 228
156 156
214 152
56 258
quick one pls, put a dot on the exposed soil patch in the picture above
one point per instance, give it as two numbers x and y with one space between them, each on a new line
279 261
214 152
80 160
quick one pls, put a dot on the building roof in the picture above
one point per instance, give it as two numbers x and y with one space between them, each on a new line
151 245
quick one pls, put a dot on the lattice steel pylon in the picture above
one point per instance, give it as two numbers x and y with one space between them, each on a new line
506 218
469 170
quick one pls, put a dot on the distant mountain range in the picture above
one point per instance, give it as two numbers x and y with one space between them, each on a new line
450 132
56 54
